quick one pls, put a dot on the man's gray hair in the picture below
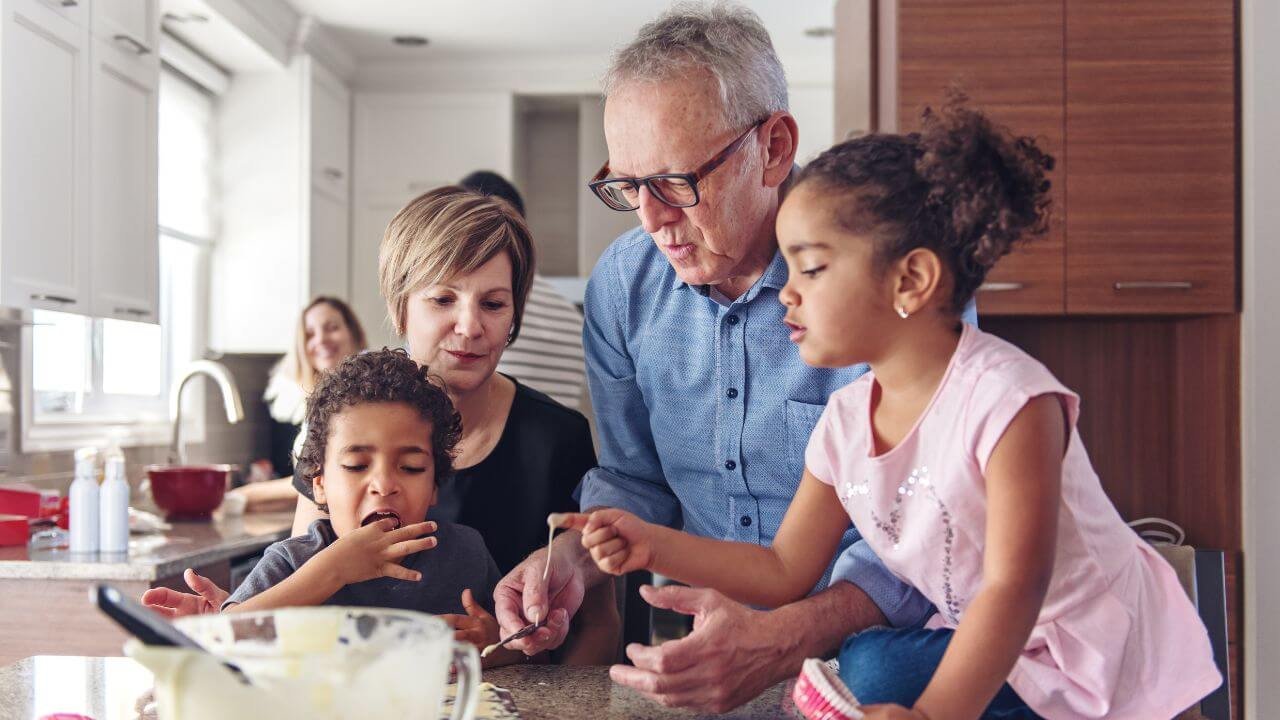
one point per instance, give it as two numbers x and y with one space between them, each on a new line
726 39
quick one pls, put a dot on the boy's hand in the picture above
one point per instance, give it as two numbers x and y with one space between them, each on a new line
891 712
477 627
376 550
618 541
208 597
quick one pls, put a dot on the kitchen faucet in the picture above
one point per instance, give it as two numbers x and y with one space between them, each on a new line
230 399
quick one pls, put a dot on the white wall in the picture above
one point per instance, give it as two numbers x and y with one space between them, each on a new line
255 259
1260 86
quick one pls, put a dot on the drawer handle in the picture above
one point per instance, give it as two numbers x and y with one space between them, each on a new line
136 312
1001 286
70 3
61 299
1152 285
334 173
138 48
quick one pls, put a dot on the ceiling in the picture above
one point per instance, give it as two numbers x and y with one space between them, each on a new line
514 27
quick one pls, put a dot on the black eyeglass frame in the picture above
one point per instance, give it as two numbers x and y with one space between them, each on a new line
601 179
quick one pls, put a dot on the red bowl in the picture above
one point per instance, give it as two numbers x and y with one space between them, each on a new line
188 492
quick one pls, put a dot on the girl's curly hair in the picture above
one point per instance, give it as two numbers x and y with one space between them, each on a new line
379 376
962 187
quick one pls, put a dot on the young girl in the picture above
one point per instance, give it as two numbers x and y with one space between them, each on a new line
956 456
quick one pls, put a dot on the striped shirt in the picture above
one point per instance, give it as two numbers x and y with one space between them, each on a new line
548 354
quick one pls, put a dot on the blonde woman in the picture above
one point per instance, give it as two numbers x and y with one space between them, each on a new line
455 268
328 332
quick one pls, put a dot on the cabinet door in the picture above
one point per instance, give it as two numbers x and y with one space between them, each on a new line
1007 56
131 25
125 244
330 246
330 133
1151 146
45 146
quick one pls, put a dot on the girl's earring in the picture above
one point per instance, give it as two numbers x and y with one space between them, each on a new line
902 313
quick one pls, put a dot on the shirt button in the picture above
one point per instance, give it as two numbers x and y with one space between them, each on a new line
745 521
731 393
729 464
732 319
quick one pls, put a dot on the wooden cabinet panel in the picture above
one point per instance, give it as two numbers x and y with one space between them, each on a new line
1008 57
1151 145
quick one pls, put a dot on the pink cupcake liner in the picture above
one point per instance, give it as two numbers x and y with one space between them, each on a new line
820 695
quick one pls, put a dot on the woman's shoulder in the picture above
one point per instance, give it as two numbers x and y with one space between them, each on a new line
537 409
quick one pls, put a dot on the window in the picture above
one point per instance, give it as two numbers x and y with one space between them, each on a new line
105 372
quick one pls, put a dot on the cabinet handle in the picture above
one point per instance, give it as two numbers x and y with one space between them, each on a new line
70 3
41 297
334 173
136 312
138 47
1001 286
1152 285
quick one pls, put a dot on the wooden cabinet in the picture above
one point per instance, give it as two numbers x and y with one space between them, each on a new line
1136 101
1151 145
125 244
1007 56
44 157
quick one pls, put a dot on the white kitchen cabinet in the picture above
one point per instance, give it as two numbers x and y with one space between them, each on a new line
44 156
405 145
125 243
285 231
130 25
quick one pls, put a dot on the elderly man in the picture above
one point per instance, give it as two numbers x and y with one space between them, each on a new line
702 403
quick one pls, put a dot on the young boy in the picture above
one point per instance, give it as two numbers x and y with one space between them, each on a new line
379 433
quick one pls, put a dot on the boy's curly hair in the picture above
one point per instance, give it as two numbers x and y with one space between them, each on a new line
379 376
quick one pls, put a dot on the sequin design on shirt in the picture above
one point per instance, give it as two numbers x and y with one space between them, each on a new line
918 483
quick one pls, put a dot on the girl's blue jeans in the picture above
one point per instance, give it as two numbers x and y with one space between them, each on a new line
884 665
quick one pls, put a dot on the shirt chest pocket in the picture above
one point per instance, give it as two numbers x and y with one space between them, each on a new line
802 417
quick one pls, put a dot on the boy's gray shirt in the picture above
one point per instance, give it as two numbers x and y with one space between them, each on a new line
459 560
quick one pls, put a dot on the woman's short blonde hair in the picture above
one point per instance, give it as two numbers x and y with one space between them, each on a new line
448 232
295 363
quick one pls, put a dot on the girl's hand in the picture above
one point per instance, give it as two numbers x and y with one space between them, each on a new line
477 627
376 550
891 712
618 541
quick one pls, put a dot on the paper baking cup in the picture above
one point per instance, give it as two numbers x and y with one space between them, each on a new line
820 695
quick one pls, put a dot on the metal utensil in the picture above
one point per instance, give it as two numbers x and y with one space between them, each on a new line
149 628
523 632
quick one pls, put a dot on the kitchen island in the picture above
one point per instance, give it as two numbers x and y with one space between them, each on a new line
44 597
107 689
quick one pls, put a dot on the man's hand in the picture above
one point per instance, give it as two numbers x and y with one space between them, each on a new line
733 654
522 596
208 597
618 541
477 627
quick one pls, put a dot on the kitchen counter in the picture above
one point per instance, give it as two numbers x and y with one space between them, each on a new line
44 598
107 688
154 556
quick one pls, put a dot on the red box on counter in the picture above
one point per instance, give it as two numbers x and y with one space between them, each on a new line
28 501
14 530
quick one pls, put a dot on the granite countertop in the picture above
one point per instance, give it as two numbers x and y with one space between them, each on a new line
107 689
157 555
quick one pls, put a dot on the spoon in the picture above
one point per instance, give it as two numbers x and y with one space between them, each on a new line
554 520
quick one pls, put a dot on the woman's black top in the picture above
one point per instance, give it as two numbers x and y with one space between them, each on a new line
544 451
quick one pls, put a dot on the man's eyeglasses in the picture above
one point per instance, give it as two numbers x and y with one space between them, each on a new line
675 189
